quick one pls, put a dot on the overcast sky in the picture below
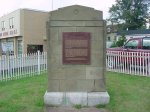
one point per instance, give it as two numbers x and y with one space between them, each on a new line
7 6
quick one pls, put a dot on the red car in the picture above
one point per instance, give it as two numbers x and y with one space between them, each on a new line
135 52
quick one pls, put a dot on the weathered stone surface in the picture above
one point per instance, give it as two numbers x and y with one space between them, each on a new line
68 85
97 60
56 59
96 47
96 32
74 98
56 73
79 23
74 79
53 86
53 98
94 73
85 85
76 73
56 47
77 85
76 12
99 85
95 98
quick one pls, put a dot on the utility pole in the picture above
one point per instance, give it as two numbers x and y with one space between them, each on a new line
51 4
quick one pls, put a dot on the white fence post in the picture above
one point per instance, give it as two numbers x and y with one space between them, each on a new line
16 67
136 63
38 53
0 69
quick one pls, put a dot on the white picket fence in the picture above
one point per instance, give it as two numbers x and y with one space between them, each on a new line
134 63
16 67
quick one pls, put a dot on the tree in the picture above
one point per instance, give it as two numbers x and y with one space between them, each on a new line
120 41
129 14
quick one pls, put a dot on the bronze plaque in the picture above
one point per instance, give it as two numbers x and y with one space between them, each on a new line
76 48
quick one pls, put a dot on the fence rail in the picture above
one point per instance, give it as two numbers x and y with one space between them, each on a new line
15 67
135 63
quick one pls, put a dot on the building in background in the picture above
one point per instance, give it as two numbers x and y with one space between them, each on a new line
23 31
111 35
134 33
111 32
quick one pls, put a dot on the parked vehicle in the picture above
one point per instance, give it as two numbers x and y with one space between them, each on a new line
136 51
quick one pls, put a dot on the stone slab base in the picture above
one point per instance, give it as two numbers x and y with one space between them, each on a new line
76 98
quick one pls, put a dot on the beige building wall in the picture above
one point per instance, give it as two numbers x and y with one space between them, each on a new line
111 37
10 31
28 26
33 28
16 24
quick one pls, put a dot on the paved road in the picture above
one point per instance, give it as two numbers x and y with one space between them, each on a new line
70 109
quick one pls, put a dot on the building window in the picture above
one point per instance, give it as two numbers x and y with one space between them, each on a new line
7 48
19 46
3 25
11 22
34 48
108 38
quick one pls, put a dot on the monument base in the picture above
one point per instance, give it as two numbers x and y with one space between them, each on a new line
76 98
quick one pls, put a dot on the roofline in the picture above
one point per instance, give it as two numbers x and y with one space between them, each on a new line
134 32
60 8
9 13
36 10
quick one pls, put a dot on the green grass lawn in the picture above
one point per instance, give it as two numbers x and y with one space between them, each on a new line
128 94
23 95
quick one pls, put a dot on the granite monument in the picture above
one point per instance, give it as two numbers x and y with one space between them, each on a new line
76 57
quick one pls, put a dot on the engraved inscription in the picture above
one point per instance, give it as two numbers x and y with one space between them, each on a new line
76 48
76 52
76 43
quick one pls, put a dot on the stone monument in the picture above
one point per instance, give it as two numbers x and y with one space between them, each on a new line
76 57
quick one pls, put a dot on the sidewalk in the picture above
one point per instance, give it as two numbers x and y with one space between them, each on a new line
71 109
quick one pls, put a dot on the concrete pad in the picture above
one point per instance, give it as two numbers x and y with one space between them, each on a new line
74 98
72 109
53 98
95 98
